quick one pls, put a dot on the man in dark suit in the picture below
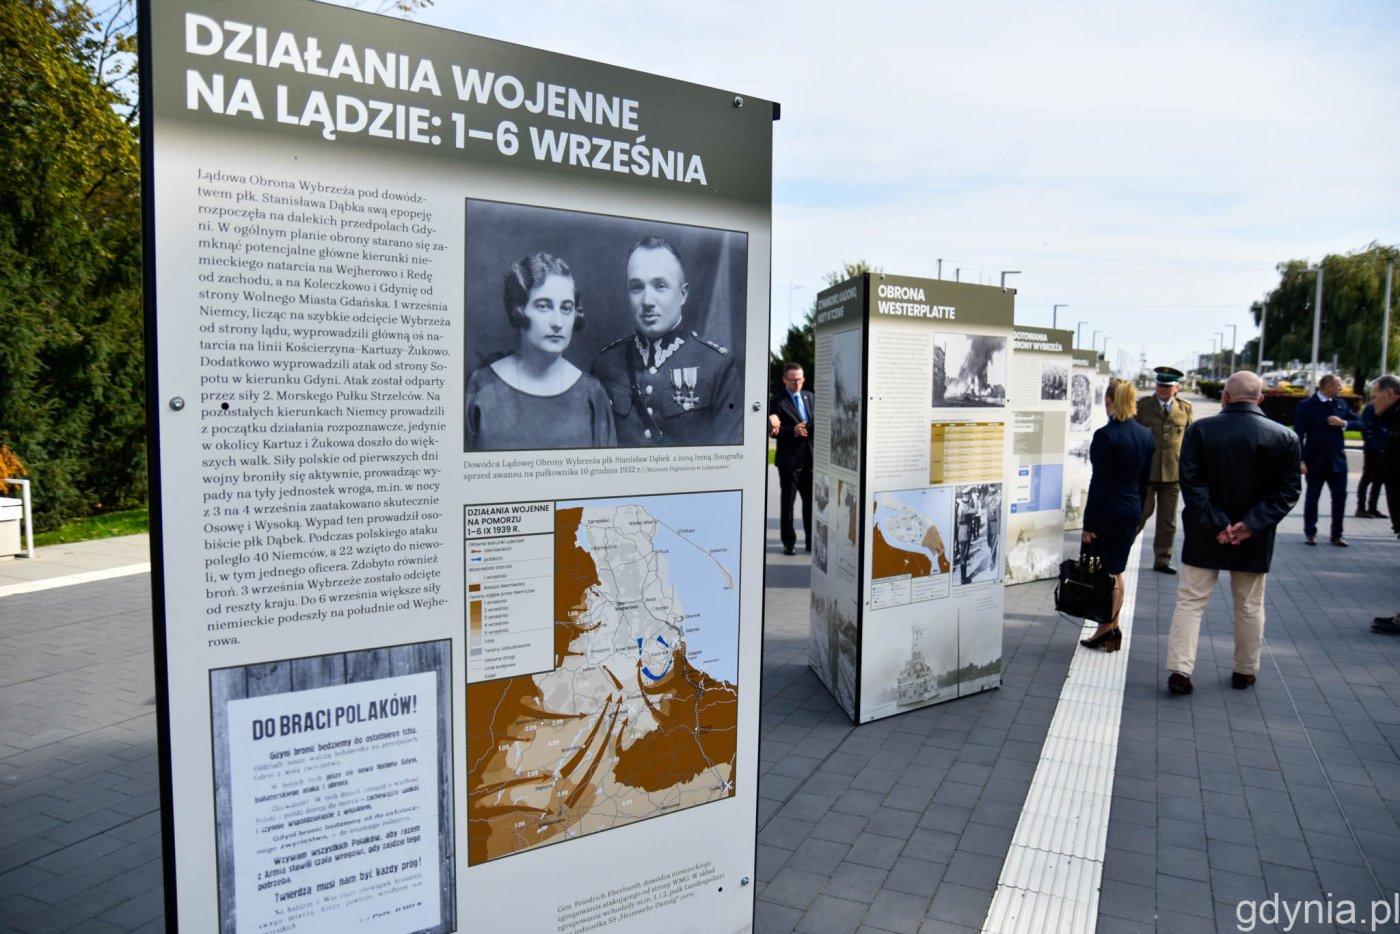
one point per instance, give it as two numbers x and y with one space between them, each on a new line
1239 477
1319 421
668 385
1385 397
790 421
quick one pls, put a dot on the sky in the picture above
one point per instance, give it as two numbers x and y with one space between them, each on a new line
1145 165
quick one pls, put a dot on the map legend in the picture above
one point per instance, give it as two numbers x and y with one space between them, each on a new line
510 590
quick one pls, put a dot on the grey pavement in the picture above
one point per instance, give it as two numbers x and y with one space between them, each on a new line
1290 789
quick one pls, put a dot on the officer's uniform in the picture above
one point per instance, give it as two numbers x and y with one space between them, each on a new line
1168 427
678 389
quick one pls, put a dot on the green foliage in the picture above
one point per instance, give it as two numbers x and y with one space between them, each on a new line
72 402
1211 388
1353 291
107 525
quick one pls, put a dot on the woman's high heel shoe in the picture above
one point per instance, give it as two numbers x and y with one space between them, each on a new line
1110 641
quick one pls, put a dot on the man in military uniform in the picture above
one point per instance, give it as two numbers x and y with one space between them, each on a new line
667 384
1167 417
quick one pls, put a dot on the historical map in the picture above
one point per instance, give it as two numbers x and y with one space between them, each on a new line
639 716
909 528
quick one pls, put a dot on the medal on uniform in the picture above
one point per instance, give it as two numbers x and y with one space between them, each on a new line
683 383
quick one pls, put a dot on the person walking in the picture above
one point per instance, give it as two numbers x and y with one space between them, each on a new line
1239 477
1167 417
790 421
1319 421
1373 438
1121 455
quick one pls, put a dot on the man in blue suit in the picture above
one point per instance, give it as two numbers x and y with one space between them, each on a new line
790 421
1319 421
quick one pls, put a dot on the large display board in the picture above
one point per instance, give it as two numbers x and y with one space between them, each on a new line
1039 392
1088 383
910 490
457 404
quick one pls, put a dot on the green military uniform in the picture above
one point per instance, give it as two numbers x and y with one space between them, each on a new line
1168 426
677 390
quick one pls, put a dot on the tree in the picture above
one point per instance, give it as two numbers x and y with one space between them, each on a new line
1353 289
72 401
799 346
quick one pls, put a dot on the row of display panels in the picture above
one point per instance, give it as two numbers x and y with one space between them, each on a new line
942 473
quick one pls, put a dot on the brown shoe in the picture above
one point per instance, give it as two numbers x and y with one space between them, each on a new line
1239 682
1309 540
1179 683
1340 542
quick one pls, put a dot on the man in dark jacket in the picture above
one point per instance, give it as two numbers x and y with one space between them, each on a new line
1373 438
790 421
1239 477
1385 393
1319 421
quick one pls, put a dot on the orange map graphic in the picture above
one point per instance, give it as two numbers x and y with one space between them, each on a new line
623 729
886 560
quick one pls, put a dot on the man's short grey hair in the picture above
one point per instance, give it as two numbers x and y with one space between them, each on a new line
1328 378
1387 382
1244 386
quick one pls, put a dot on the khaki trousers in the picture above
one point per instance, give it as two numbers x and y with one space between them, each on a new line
1192 595
1166 497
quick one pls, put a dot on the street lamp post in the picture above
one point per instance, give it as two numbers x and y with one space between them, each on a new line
1233 335
1008 272
1094 341
1259 357
1105 350
1221 351
1055 314
1214 357
1317 318
1385 326
1079 334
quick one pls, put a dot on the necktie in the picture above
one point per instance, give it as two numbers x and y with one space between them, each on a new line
801 412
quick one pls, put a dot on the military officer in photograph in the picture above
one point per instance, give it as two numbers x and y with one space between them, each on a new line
1167 417
667 384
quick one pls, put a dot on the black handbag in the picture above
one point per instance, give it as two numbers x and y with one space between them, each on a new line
1085 589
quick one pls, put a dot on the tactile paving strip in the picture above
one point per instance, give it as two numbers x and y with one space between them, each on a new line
1054 867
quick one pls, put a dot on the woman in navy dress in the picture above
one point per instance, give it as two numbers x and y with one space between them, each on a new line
534 398
1121 456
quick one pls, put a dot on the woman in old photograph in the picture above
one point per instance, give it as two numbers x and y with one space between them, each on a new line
533 398
1121 456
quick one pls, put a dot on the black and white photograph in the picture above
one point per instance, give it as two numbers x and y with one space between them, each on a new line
831 650
821 494
969 371
1079 402
347 754
819 542
1036 546
592 331
978 535
909 661
846 399
1054 382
